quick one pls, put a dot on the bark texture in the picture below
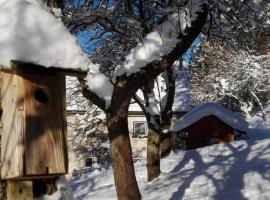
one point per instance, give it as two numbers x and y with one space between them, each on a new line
153 157
123 169
165 145
166 137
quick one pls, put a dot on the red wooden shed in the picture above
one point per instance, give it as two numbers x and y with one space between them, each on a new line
210 124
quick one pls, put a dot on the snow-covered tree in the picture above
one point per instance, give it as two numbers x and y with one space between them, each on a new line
162 43
229 17
75 99
119 28
88 135
235 77
231 65
156 104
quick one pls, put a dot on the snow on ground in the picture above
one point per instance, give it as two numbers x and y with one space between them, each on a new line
235 171
256 125
30 33
63 193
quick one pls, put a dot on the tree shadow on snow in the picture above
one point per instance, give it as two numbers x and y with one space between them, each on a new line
222 176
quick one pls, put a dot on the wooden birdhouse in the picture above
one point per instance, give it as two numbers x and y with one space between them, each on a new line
33 123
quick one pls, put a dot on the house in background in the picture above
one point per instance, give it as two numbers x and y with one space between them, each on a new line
87 147
93 150
137 123
209 124
182 103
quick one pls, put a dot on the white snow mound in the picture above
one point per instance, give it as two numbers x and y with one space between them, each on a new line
209 109
237 170
30 33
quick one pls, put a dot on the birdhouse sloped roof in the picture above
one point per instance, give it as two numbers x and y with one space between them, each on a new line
209 109
31 34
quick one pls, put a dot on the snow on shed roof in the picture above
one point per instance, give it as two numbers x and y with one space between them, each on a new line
209 109
30 33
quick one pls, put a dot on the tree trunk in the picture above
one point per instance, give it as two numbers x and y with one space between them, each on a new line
165 144
165 138
122 162
153 156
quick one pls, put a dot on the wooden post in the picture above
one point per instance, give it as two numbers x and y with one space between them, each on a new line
3 190
19 190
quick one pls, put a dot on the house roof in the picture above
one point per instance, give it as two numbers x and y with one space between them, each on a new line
209 109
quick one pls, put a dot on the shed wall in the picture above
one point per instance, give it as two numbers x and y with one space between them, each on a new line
208 130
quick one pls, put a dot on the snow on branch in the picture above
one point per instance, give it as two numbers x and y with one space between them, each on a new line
162 40
101 85
30 33
157 44
151 104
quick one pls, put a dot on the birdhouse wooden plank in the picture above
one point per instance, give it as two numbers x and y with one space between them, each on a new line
33 135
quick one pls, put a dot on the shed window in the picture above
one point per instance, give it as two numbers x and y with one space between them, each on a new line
139 128
88 162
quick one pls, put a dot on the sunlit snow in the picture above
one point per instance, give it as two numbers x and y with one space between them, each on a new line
155 44
237 170
30 33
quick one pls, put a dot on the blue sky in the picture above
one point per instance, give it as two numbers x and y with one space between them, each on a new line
188 54
89 46
83 39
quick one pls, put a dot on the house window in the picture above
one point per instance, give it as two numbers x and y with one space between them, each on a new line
88 162
139 128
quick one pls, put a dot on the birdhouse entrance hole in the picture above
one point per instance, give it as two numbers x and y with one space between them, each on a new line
33 136
41 96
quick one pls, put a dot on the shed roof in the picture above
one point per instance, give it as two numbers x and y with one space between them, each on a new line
209 109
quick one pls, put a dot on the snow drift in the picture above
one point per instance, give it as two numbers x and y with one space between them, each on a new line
237 170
